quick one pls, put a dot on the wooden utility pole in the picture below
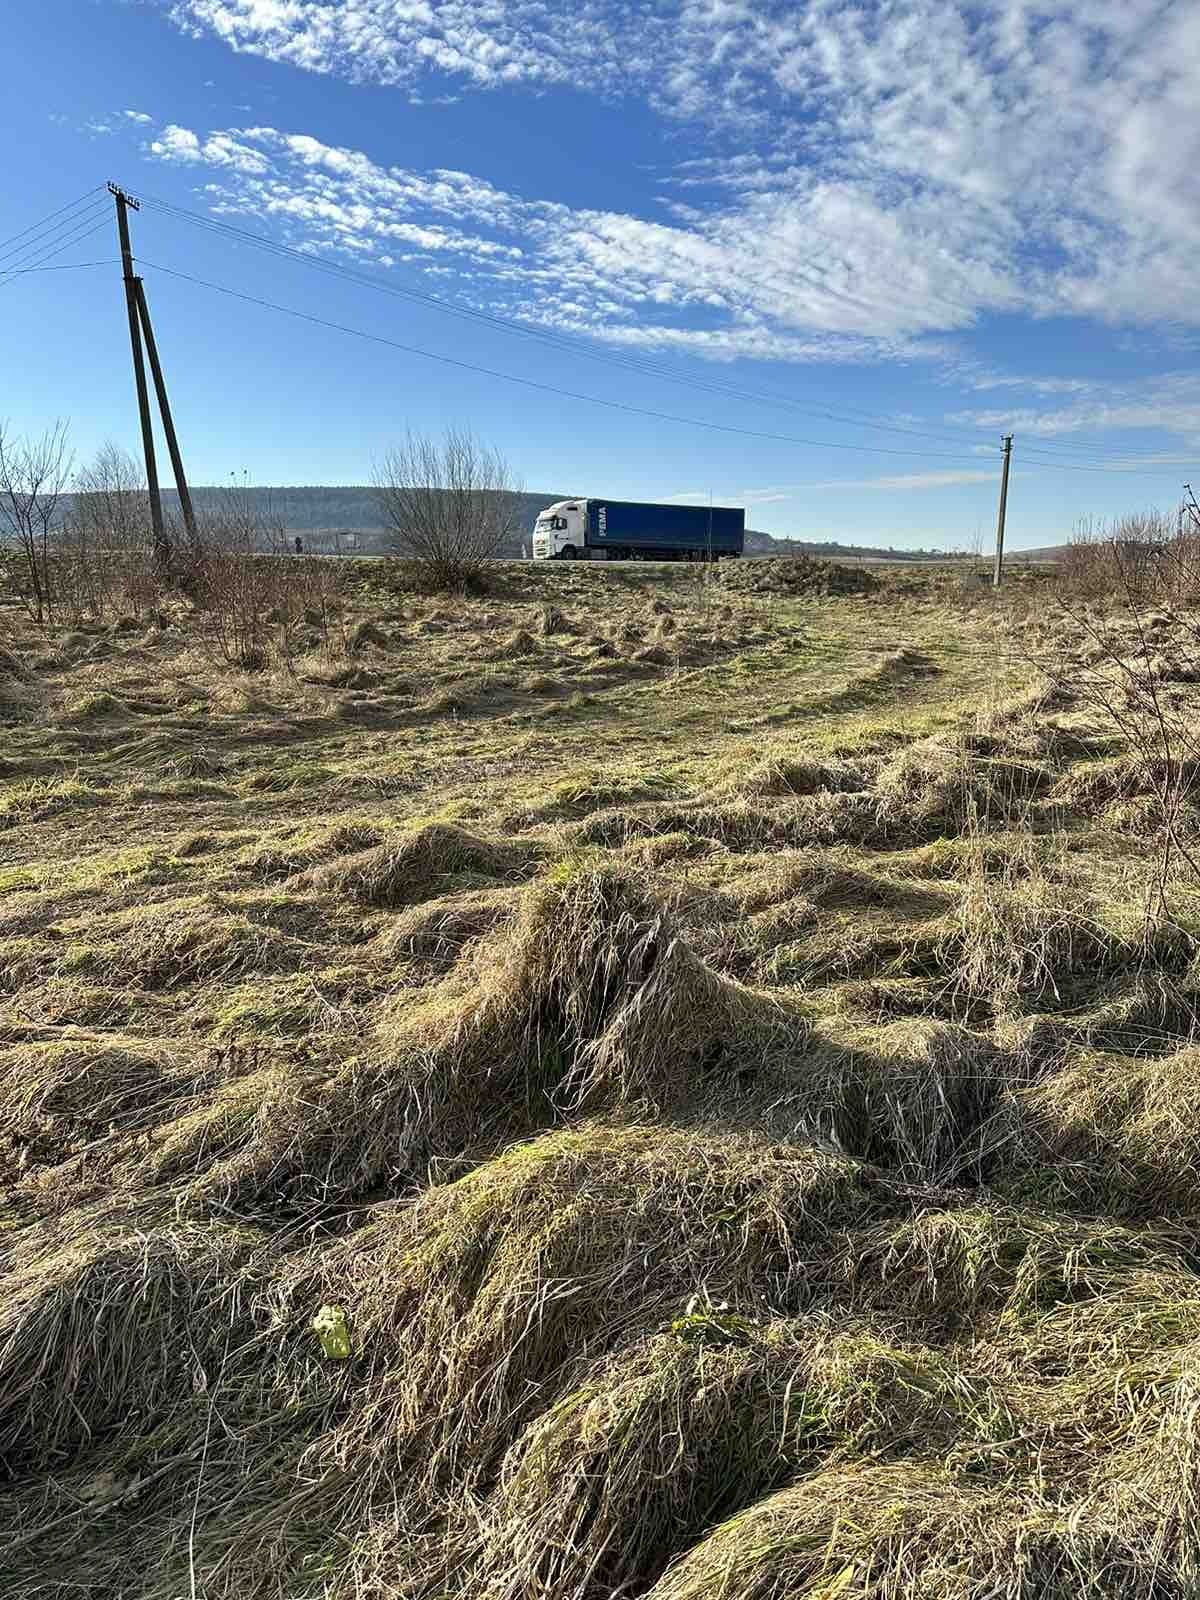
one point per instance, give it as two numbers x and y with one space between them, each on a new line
140 327
124 201
164 409
1008 439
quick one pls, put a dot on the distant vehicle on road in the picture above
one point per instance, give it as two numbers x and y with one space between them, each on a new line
635 530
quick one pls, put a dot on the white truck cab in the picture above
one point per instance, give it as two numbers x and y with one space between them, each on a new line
560 531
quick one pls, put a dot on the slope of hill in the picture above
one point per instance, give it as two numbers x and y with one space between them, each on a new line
351 508
326 509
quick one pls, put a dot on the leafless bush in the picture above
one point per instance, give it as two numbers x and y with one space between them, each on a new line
236 592
449 504
1138 553
33 478
1139 648
260 606
104 553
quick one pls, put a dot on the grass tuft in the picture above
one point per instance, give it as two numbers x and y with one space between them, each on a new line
411 869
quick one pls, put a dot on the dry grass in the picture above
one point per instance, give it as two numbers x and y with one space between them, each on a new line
103 1332
399 874
904 1531
733 1089
520 1035
939 787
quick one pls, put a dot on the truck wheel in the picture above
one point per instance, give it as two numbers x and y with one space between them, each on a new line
568 552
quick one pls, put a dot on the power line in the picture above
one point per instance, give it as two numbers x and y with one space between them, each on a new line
68 266
1076 466
547 388
37 244
852 416
1091 452
1088 451
1080 449
548 337
70 206
45 236
77 228
1160 458
37 263
545 336
1156 458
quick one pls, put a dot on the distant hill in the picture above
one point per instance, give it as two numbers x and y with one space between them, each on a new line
327 516
767 544
345 516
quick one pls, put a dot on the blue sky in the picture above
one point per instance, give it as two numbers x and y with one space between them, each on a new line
859 241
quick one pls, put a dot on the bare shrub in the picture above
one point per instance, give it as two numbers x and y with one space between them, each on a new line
266 610
260 606
1133 554
104 557
33 478
449 504
236 592
1136 655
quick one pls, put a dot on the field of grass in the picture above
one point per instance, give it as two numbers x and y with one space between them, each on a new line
629 1086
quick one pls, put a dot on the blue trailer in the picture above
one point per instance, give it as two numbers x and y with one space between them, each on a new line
636 530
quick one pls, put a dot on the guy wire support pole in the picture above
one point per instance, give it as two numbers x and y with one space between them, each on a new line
164 410
1008 439
124 201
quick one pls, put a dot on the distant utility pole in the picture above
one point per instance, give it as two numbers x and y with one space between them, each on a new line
140 327
1008 439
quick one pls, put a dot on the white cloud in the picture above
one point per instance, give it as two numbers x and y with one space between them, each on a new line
910 480
1168 403
762 497
177 144
218 150
138 116
871 171
740 497
401 41
708 289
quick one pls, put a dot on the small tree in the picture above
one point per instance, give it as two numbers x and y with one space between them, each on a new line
450 504
33 476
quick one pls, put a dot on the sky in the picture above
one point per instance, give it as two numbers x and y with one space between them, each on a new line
812 258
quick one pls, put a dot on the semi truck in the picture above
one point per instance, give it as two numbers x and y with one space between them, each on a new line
633 530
